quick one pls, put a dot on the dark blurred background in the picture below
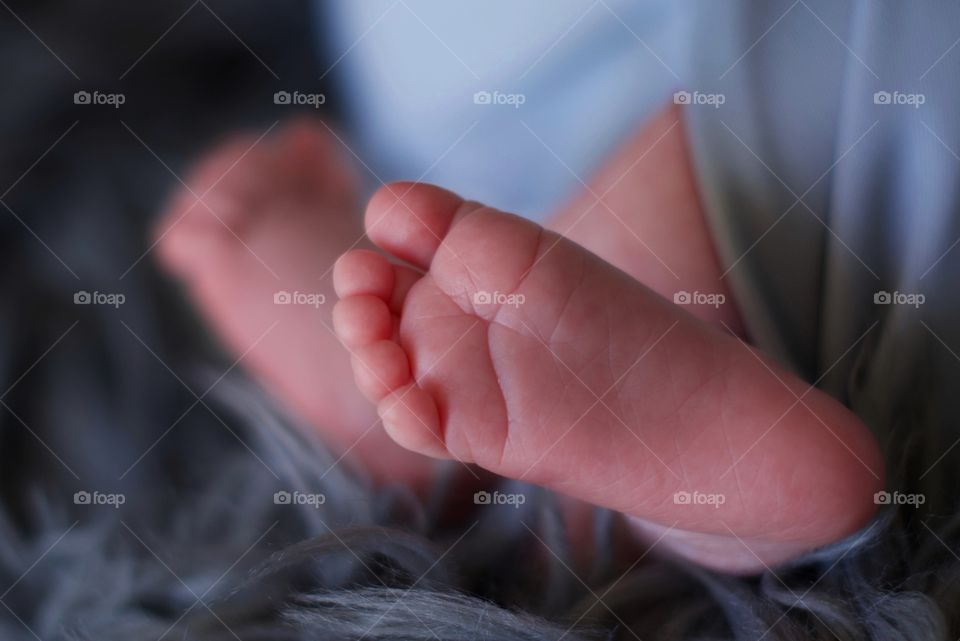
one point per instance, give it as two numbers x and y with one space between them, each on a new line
79 186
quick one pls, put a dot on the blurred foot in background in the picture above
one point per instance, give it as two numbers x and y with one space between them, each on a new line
253 236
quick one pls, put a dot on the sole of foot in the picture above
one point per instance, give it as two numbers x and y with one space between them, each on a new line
493 341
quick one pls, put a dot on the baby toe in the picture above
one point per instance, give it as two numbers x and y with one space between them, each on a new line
363 272
362 320
380 368
409 220
411 419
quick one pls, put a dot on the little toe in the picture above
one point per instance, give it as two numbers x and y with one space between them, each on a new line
410 417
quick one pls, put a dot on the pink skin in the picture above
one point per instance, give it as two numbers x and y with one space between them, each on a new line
514 388
287 206
274 217
640 212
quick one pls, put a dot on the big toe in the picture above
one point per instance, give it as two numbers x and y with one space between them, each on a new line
476 255
187 234
207 209
410 220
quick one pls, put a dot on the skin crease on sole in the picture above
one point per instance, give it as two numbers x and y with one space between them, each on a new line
522 352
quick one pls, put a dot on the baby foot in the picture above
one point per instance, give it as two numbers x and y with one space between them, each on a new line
261 219
513 348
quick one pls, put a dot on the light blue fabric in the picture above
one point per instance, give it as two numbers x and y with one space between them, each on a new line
411 71
802 107
800 118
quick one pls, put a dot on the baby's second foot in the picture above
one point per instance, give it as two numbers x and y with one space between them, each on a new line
254 236
519 351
